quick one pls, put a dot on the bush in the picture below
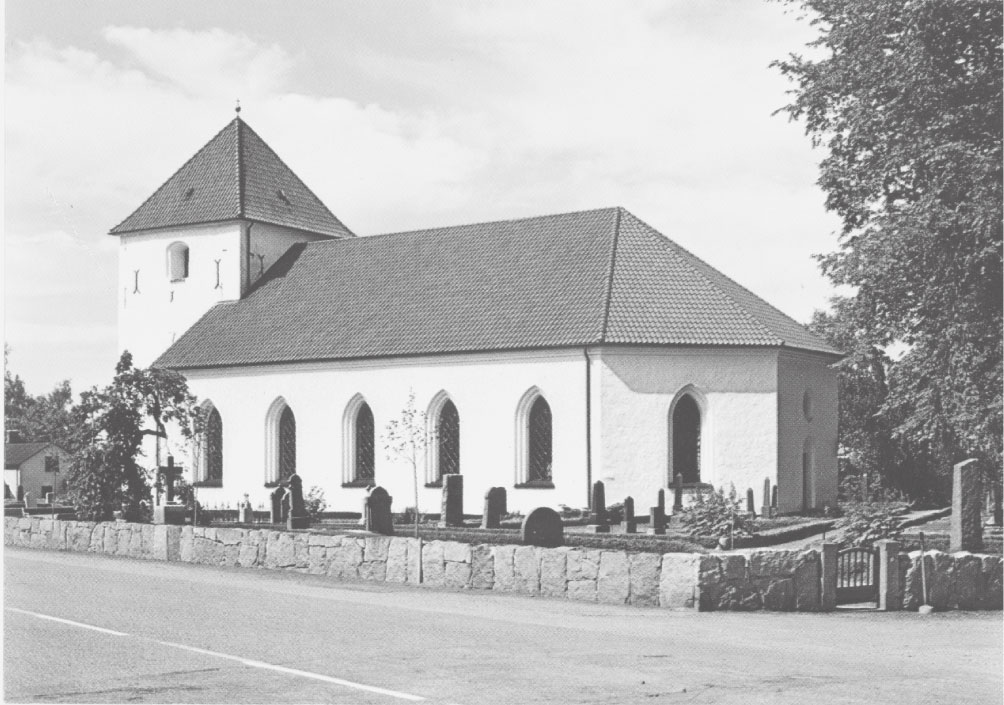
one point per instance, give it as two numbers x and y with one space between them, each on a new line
718 516
314 502
864 523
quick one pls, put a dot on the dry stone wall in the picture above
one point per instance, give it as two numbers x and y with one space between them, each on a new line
756 580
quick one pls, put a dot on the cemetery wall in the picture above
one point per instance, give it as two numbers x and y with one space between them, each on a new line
754 580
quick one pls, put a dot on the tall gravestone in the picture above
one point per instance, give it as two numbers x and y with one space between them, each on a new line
629 524
298 517
377 515
245 513
275 505
677 493
452 513
765 508
750 509
966 533
773 501
599 524
657 516
495 501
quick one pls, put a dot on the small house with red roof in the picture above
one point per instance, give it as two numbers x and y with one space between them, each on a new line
32 470
543 353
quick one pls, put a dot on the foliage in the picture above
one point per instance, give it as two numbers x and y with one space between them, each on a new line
404 438
864 523
906 97
108 434
46 417
718 515
314 502
615 513
853 489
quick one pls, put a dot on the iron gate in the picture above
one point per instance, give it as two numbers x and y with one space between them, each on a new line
857 575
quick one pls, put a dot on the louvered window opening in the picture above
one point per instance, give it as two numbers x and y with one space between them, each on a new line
448 432
539 466
287 444
214 446
687 440
365 446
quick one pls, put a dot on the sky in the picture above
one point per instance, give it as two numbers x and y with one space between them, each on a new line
400 115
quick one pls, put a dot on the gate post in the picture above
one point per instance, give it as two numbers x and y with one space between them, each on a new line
828 577
890 583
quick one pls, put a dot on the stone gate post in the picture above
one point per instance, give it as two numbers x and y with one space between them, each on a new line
828 577
890 581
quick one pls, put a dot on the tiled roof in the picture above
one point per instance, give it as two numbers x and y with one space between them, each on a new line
583 278
236 175
14 454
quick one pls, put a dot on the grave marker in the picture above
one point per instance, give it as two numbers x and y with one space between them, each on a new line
657 516
677 493
966 532
629 524
543 527
452 513
377 517
765 509
495 501
275 505
599 523
749 503
298 517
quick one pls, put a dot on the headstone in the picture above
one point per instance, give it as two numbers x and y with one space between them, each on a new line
660 500
629 524
377 516
298 517
275 505
599 523
966 532
452 513
677 493
657 516
749 503
773 501
543 527
245 513
765 509
495 501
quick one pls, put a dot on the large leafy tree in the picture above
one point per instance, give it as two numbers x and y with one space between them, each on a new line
45 417
905 96
111 424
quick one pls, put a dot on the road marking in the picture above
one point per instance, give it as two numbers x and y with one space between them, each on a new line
70 622
297 672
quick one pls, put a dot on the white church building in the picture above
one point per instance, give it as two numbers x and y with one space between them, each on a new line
546 353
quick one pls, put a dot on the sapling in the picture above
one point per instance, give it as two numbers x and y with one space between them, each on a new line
405 438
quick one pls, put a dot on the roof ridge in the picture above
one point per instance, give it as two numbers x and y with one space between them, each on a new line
491 222
166 181
673 248
610 274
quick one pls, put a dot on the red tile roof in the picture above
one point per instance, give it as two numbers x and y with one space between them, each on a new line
235 175
584 278
15 454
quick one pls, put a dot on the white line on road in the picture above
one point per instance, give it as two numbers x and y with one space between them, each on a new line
240 659
297 672
70 622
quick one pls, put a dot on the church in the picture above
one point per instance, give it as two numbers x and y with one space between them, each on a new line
542 354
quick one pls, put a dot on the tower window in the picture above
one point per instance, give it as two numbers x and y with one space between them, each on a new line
177 262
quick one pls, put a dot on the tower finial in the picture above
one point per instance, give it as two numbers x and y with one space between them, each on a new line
238 108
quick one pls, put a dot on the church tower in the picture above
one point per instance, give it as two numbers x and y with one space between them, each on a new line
207 234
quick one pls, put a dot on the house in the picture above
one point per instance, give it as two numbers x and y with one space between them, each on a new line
32 470
545 353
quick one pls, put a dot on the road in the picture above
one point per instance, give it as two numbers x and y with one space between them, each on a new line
86 628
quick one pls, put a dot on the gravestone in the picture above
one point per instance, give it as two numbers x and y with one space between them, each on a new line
298 517
495 501
657 516
377 516
245 513
749 503
765 509
452 513
966 533
773 501
599 523
543 527
275 505
677 493
629 525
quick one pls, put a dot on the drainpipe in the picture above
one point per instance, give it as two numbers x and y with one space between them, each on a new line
589 433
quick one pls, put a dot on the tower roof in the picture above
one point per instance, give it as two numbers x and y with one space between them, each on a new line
588 278
236 175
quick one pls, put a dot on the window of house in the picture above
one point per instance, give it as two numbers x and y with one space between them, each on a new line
177 262
52 463
46 490
686 439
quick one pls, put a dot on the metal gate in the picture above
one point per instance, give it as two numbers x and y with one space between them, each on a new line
857 575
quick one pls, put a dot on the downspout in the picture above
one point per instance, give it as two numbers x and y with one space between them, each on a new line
589 432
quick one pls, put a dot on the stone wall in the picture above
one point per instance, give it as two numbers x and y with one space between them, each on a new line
755 580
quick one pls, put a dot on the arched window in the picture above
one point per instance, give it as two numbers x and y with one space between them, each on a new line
177 261
287 444
443 447
280 442
685 435
358 439
533 441
213 451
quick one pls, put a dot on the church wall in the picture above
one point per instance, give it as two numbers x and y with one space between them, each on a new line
161 310
486 389
815 431
737 389
270 242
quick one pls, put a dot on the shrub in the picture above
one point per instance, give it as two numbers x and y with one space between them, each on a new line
718 516
864 523
615 513
314 502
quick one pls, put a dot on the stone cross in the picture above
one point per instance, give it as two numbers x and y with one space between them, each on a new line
275 505
543 527
629 524
377 517
677 493
599 523
452 513
750 509
765 509
495 501
298 517
966 532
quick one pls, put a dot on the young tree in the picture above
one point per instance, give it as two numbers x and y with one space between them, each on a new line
906 97
110 428
404 438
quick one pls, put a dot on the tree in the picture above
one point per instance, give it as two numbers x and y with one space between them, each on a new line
110 427
404 438
37 418
906 95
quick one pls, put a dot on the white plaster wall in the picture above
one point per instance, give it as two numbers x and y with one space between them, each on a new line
797 373
486 389
739 426
33 475
150 320
270 242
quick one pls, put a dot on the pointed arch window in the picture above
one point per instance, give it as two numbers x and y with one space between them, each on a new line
534 441
287 444
685 439
359 439
280 443
210 459
443 447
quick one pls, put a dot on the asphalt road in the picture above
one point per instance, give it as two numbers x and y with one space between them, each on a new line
83 628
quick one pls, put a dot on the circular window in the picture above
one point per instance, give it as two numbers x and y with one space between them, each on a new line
807 405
